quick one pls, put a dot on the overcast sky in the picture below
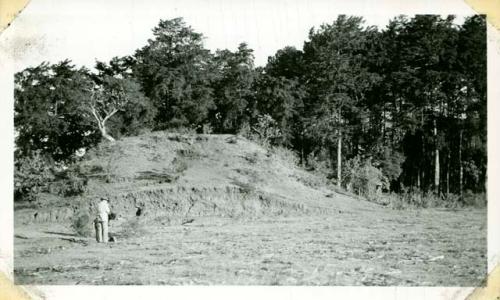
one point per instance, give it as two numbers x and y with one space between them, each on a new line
87 30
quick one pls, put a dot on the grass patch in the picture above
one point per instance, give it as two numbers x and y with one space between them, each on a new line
153 175
311 180
179 165
188 153
245 188
286 155
409 200
251 157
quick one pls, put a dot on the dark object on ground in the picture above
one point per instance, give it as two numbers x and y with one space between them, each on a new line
139 211
187 221
232 140
76 240
112 239
61 233
112 216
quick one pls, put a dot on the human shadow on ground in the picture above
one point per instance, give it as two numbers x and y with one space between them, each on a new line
20 237
61 233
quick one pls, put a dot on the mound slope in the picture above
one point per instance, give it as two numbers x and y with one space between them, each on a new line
180 175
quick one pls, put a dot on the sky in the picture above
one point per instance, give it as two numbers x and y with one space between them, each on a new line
83 31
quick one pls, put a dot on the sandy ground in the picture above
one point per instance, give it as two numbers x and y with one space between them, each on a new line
363 247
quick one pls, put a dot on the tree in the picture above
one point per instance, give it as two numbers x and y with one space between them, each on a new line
46 111
287 62
281 98
174 72
281 88
434 52
419 89
233 88
109 97
470 102
138 113
337 80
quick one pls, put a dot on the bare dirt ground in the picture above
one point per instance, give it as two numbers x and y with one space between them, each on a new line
428 247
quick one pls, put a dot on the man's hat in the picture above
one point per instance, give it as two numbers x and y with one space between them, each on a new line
104 198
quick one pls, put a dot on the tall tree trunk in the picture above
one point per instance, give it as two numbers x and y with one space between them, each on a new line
486 182
339 158
422 176
384 130
448 173
302 162
461 166
418 179
436 160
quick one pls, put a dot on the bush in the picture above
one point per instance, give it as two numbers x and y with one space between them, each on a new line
31 177
108 155
82 224
476 200
393 200
70 182
207 129
417 199
286 155
389 162
363 178
266 130
246 131
316 163
182 130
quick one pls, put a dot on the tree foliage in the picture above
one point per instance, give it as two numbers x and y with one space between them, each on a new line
31 177
47 118
233 88
174 71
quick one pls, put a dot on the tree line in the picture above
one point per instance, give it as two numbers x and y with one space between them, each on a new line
409 100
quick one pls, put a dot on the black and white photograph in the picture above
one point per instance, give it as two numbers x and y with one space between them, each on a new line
231 143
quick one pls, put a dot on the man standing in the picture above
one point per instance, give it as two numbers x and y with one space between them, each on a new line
101 222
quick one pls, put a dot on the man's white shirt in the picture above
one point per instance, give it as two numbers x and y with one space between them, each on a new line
103 210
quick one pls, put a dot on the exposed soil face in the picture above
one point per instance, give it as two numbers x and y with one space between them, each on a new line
364 247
